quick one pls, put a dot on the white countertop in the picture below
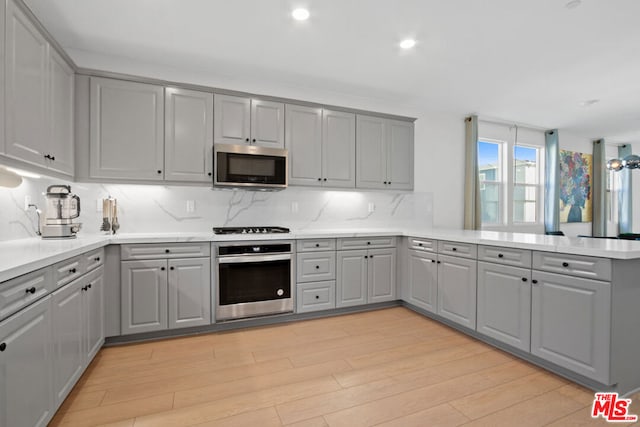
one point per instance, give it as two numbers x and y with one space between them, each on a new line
18 257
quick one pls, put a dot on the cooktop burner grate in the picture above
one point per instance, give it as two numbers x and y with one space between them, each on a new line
249 230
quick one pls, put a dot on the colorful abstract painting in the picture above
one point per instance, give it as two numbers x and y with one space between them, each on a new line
576 170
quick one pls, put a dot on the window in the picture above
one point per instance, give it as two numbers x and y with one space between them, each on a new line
510 173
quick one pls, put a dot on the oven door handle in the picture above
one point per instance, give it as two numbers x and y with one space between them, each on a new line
253 258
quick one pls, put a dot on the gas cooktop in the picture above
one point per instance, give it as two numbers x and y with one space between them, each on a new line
249 230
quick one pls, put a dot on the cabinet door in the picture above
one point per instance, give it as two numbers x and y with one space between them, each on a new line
188 142
26 396
232 119
61 89
94 314
27 97
126 130
504 304
303 138
371 147
381 275
338 149
457 290
143 296
570 323
68 334
400 155
267 123
423 280
351 278
189 292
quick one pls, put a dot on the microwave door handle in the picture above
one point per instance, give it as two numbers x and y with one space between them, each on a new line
253 258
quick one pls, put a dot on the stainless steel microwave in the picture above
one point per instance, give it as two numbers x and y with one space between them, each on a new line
249 166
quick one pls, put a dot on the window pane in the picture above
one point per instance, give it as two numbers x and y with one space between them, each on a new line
490 200
488 161
524 203
525 164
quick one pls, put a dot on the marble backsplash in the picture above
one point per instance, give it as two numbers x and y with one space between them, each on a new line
158 208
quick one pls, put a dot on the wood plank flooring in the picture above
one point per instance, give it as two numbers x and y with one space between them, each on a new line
389 367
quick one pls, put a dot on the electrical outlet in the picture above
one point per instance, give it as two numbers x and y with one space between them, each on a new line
191 206
98 205
294 207
372 207
27 202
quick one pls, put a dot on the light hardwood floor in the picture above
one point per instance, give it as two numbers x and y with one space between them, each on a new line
388 367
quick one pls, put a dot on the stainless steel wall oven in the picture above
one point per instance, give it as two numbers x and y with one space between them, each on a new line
253 279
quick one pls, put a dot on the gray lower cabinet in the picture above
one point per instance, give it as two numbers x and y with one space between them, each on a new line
365 276
504 304
68 337
93 316
165 293
188 141
571 323
423 280
457 289
189 292
351 278
126 123
144 296
26 396
314 296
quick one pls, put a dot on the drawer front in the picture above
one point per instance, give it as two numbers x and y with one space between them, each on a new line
506 256
164 251
316 266
316 296
464 250
93 259
68 270
425 245
19 292
574 265
309 245
367 242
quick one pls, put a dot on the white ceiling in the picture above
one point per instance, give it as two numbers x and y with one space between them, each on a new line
530 61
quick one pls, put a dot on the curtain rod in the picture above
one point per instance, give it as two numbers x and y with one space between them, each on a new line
508 123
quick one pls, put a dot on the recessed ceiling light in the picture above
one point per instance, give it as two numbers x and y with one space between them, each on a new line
573 4
589 102
300 14
407 43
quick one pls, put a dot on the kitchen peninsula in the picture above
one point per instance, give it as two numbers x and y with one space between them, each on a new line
567 304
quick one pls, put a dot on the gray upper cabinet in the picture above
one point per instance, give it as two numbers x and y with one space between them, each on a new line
39 97
188 144
457 290
62 116
384 153
126 130
239 120
504 304
27 93
321 146
571 323
303 136
338 149
26 396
